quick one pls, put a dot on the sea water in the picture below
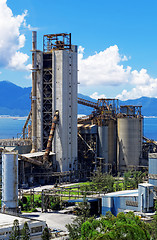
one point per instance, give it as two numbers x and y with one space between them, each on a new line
150 127
12 127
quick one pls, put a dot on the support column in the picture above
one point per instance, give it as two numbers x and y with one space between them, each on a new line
34 81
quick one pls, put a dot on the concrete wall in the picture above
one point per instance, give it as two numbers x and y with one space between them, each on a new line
64 95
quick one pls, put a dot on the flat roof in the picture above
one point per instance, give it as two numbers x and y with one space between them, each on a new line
82 200
146 184
36 154
124 193
6 220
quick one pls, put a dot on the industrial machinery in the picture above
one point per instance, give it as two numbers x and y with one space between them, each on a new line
53 112
101 134
118 134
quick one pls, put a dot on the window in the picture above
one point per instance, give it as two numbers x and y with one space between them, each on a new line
36 229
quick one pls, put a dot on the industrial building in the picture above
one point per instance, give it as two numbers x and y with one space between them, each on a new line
60 147
140 200
53 114
152 174
111 136
6 223
54 88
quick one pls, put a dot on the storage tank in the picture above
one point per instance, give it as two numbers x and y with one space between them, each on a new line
129 149
107 144
9 182
153 169
103 147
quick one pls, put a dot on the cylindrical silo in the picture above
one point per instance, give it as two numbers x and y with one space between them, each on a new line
112 144
129 148
153 169
103 147
9 182
107 136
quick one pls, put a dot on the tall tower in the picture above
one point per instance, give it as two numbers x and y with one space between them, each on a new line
56 89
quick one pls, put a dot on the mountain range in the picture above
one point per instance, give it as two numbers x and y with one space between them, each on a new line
15 101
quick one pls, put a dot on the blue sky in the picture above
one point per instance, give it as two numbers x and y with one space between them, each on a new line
117 39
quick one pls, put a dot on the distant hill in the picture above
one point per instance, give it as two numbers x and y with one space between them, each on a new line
15 101
148 105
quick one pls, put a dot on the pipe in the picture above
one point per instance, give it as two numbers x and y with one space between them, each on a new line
30 160
34 81
51 135
25 125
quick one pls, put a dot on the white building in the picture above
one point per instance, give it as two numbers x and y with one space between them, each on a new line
6 223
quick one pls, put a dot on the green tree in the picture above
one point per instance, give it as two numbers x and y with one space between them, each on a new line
138 177
103 182
123 227
25 233
15 234
46 235
132 179
153 224
83 213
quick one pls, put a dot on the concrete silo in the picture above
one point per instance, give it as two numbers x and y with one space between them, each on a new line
107 133
9 182
129 131
107 144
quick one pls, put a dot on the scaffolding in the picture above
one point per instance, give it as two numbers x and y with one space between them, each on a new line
61 41
47 97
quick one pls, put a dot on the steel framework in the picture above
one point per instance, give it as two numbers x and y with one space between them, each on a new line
56 41
47 97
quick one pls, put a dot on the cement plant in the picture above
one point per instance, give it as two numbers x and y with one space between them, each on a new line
58 147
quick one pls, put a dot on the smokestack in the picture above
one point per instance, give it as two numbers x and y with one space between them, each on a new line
34 82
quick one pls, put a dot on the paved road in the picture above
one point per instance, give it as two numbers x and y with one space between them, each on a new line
53 220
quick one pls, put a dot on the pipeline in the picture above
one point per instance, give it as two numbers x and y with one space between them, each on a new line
25 125
52 131
30 160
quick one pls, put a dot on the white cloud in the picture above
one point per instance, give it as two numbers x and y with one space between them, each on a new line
29 26
11 40
140 78
96 96
104 69
18 61
140 91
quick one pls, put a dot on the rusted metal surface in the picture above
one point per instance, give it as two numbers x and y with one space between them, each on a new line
87 103
15 142
59 41
30 160
130 111
91 149
150 140
25 125
51 135
105 109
